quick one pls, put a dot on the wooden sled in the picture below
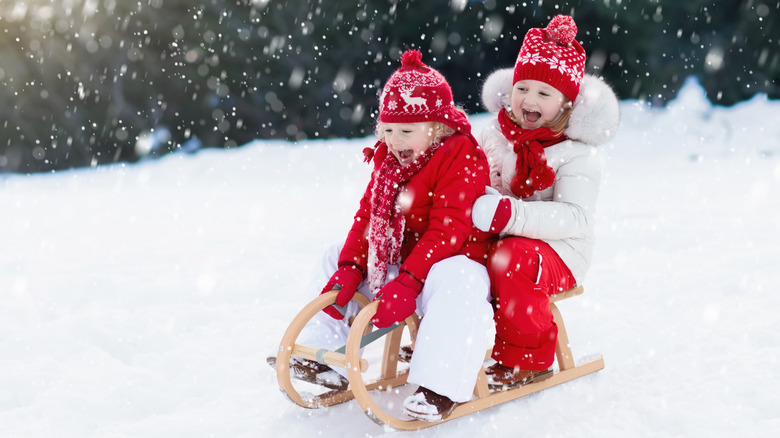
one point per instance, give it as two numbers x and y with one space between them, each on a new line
389 377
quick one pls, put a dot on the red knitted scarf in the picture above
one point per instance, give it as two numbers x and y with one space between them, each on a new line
533 173
386 227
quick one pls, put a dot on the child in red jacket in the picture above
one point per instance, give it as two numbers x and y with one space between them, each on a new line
413 247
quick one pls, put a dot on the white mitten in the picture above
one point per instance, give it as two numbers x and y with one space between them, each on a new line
492 212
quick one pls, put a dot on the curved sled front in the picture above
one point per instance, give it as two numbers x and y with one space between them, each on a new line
359 389
288 348
389 376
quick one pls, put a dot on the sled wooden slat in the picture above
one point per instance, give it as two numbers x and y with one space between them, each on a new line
330 357
481 388
499 397
562 347
392 346
573 292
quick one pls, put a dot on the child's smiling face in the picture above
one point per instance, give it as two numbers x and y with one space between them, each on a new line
535 103
407 141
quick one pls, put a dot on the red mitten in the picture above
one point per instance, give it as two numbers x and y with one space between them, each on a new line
492 213
397 300
348 277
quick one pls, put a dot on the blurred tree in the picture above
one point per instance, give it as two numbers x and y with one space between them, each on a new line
86 82
648 48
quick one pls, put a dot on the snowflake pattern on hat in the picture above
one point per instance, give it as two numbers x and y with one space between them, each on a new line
552 55
570 64
529 57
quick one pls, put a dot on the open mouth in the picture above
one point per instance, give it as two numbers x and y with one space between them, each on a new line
531 116
406 154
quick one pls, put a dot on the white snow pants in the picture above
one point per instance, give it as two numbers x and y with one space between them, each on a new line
453 336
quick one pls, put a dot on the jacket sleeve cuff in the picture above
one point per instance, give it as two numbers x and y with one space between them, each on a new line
515 225
346 263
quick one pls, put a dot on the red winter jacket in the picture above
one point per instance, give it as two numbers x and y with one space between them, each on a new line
436 204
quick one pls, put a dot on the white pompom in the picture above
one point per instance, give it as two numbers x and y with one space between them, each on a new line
497 89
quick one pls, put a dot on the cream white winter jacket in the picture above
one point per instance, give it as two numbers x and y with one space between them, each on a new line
561 215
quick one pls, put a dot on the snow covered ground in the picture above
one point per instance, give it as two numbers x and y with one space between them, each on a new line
141 300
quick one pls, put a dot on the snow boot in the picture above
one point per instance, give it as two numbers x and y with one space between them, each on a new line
501 377
314 372
426 405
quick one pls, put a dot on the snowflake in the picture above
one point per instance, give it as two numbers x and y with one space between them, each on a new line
533 58
438 102
392 105
576 76
559 64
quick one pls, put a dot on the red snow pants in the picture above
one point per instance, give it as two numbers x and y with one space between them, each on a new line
523 273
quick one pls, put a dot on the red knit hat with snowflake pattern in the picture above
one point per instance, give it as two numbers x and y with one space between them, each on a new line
552 55
417 93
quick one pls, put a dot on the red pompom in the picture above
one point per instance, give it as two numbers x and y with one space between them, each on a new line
542 177
520 187
412 58
561 30
368 154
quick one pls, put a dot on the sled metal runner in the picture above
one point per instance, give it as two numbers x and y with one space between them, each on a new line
361 389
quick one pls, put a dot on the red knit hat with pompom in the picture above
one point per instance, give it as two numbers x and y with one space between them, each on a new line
552 55
417 93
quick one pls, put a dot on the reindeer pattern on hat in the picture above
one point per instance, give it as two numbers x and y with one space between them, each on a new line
397 96
417 103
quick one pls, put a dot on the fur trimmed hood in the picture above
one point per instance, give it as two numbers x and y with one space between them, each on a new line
594 117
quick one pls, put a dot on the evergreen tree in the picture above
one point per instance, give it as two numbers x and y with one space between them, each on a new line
84 82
